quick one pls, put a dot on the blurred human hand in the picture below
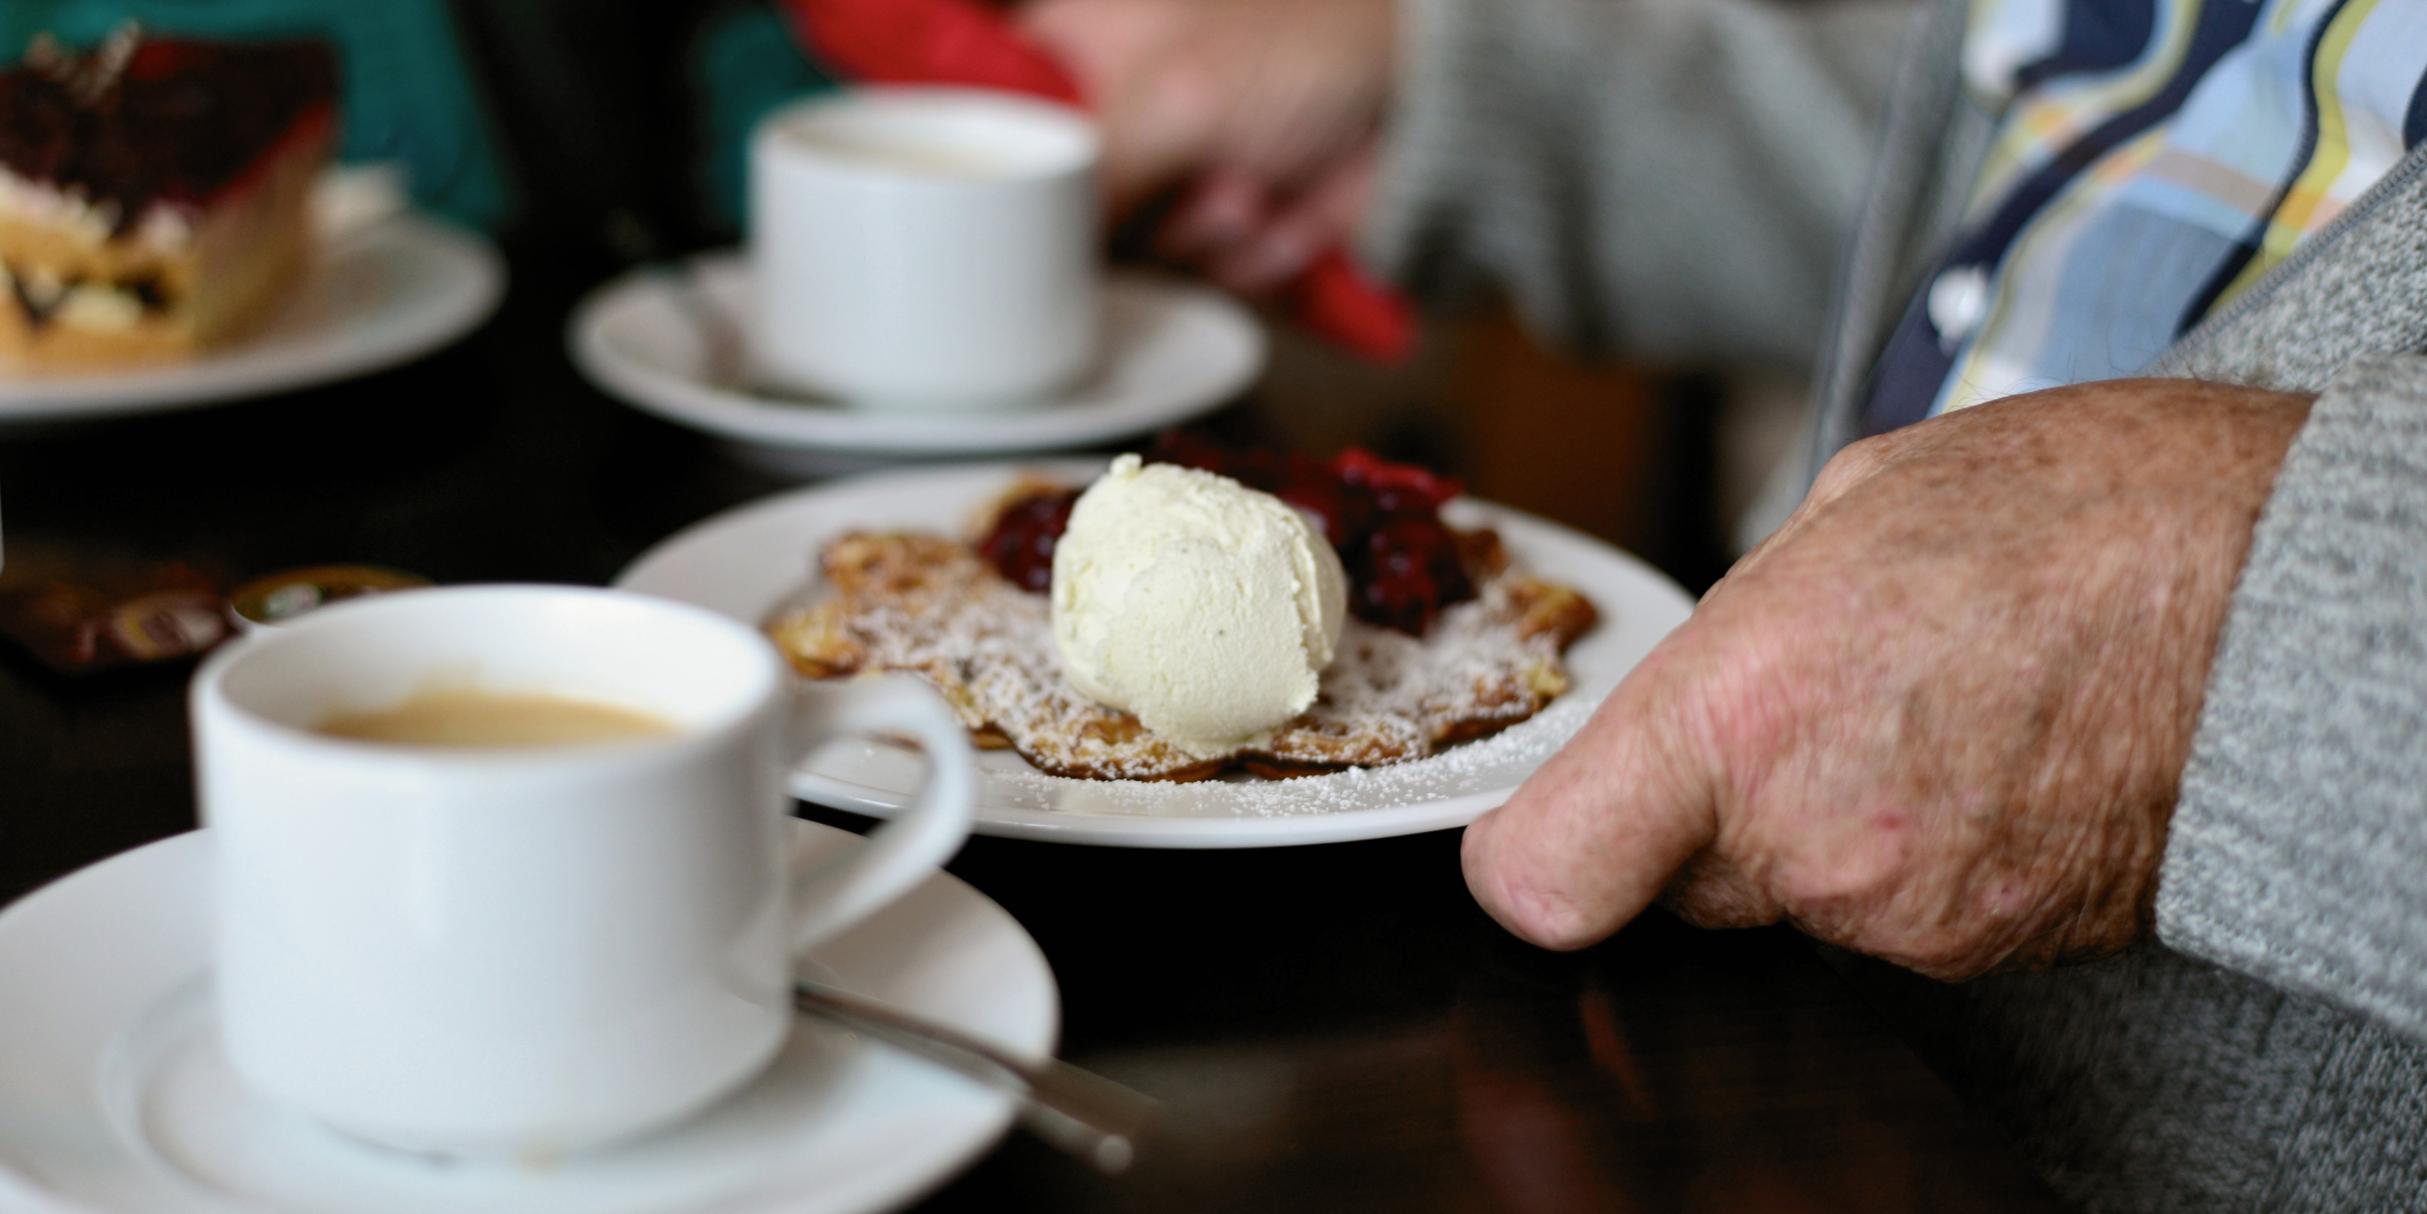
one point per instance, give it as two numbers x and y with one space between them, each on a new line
1942 715
1260 113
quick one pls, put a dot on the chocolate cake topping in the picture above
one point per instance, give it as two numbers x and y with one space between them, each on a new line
173 120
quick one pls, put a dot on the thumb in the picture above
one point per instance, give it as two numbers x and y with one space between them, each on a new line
1594 836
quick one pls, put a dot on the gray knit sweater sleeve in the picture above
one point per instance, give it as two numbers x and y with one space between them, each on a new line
2299 847
1671 177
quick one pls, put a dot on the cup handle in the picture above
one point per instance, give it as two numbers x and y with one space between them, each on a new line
828 897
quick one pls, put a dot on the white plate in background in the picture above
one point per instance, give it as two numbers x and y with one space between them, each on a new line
374 298
1172 350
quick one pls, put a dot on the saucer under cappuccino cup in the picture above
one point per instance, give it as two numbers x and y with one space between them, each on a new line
924 248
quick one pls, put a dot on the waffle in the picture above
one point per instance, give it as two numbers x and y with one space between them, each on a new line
928 604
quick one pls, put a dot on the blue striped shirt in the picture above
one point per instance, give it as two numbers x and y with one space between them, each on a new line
2151 160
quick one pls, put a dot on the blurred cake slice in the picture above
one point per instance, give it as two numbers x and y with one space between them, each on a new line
154 194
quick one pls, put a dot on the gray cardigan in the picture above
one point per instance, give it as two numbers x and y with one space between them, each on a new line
1736 179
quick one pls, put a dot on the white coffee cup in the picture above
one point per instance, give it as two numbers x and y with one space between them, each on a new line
924 248
527 951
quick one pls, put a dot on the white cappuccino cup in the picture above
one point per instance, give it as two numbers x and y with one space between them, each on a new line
525 950
924 248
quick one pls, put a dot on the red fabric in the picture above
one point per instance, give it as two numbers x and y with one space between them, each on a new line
928 42
968 42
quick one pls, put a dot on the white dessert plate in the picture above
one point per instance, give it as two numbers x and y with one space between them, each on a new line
1173 350
117 1100
380 296
751 560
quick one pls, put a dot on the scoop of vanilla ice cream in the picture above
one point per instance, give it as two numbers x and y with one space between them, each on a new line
1204 607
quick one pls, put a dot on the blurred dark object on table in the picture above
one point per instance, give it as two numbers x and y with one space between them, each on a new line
89 616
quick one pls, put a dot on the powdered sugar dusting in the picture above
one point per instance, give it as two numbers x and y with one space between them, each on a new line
1500 761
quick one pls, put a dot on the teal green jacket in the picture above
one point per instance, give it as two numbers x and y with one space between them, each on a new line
413 98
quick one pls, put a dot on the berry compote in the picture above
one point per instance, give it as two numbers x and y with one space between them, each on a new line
1384 519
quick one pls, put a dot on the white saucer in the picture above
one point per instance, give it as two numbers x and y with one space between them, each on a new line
1173 350
114 1097
378 297
749 561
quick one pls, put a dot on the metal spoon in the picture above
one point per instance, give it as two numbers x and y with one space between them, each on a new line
1076 1111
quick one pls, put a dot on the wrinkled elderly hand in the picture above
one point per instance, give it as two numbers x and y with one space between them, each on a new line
1262 111
1941 716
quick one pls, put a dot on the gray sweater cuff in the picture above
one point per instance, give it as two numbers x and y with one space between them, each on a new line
2299 847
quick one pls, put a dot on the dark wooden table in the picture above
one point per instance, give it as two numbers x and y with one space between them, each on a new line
1332 1028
